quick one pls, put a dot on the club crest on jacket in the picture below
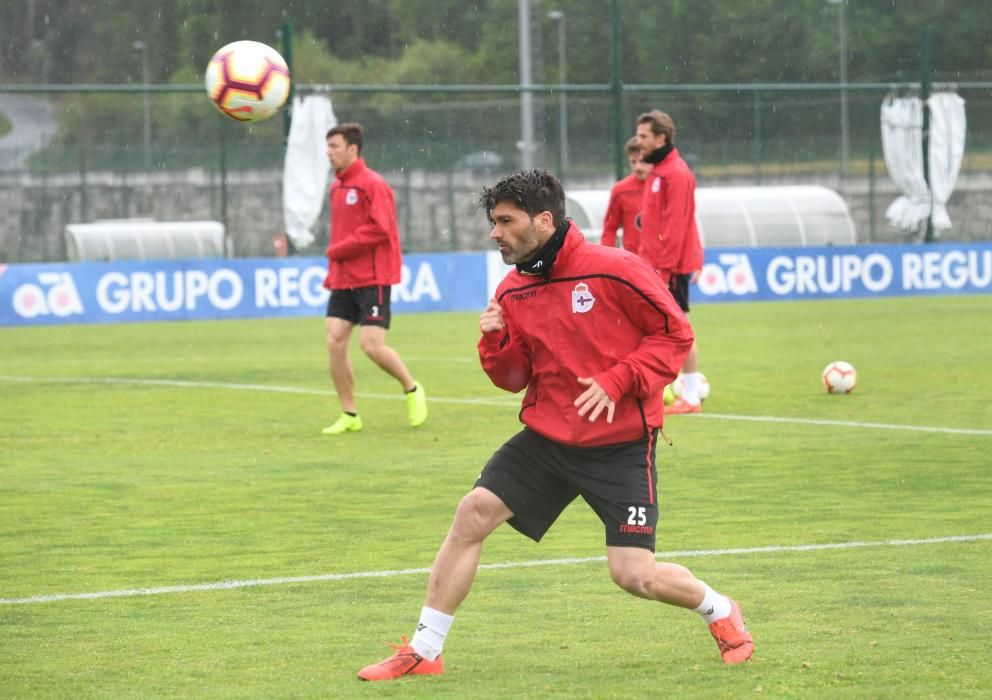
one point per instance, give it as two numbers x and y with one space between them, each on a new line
582 299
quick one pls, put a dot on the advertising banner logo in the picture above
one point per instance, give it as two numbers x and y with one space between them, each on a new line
200 289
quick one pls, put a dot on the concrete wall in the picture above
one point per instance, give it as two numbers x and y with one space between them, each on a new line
436 212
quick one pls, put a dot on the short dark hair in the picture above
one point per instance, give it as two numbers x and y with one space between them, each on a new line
632 146
660 123
534 191
352 132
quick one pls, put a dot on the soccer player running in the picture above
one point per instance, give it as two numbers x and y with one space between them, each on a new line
669 237
625 202
594 336
364 260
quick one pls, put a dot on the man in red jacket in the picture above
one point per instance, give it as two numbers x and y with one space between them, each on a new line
364 261
669 237
594 336
624 207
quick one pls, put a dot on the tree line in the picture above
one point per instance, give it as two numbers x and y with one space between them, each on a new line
475 41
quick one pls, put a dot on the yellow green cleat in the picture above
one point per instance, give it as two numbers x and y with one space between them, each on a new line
669 395
344 424
416 405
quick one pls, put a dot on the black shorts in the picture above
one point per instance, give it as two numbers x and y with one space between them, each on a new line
678 285
537 478
367 306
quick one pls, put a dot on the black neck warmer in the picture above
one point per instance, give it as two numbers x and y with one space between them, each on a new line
544 258
660 154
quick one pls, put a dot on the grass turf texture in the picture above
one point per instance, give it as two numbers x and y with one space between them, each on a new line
109 486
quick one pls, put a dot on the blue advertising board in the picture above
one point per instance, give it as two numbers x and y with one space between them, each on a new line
749 274
199 289
42 294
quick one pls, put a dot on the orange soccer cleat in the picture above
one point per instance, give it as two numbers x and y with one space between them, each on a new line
405 662
682 406
731 635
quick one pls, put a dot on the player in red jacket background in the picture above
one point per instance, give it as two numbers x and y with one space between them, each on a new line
669 237
594 336
625 202
364 261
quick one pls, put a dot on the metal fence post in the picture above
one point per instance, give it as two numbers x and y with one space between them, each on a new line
756 136
616 88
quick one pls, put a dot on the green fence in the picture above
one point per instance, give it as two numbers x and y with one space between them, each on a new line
83 153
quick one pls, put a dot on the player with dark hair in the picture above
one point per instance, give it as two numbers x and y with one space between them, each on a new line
669 237
364 261
594 336
624 208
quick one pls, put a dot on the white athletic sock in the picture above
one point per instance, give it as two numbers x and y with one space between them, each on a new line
714 606
428 640
690 387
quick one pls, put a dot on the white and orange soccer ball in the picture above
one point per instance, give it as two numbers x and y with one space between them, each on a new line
248 81
704 387
840 377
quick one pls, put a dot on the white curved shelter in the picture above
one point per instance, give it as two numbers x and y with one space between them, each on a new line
144 239
773 216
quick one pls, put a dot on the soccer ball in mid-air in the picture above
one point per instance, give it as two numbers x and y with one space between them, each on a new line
248 81
839 377
678 385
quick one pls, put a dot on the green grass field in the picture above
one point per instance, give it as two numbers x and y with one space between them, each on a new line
183 455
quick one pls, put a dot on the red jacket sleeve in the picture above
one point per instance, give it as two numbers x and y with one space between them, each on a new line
667 340
612 221
671 221
372 233
505 359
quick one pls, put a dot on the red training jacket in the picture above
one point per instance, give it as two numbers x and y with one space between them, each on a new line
603 313
364 250
669 238
622 211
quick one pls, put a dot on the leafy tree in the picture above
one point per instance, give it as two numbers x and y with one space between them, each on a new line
437 42
453 21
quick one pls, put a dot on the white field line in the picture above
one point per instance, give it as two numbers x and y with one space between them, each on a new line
478 402
283 580
461 359
846 424
243 387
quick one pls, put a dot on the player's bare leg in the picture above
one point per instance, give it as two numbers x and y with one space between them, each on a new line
636 571
342 374
690 401
691 363
478 514
373 342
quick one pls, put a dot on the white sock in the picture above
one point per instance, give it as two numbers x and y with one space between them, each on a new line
690 387
428 640
714 606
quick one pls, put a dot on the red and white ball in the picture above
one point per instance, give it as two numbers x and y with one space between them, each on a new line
678 386
839 377
248 81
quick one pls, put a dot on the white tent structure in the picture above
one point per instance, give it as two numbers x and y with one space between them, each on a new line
902 139
800 215
143 239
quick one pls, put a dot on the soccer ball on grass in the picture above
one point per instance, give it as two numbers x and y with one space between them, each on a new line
839 377
248 81
674 390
